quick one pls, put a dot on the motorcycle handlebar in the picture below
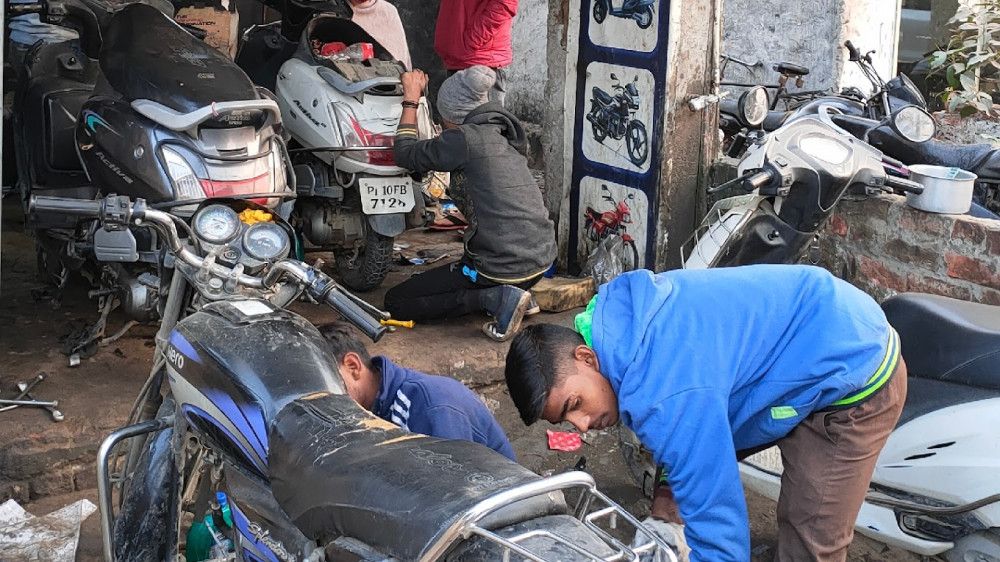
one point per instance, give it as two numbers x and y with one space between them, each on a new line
20 9
854 52
904 185
355 314
78 207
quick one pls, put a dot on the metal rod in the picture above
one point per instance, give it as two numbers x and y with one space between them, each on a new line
24 391
104 483
41 403
910 507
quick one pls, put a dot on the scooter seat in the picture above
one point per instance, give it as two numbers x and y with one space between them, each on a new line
147 56
337 469
602 96
947 339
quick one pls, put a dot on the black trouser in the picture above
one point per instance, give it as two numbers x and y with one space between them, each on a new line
442 292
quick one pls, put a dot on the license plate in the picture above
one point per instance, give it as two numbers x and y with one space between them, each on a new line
382 196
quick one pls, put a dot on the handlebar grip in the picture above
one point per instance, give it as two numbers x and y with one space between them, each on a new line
355 315
758 180
854 52
892 161
904 185
78 207
20 9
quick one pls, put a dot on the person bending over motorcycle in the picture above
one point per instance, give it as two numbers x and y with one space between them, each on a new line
421 403
510 242
800 359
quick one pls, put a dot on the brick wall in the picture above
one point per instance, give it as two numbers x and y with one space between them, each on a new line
884 246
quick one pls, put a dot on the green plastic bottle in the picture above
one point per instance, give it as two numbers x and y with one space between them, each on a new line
199 541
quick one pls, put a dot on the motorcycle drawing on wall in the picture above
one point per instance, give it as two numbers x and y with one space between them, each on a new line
639 10
614 116
599 225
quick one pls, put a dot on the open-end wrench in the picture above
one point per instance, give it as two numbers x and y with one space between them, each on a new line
57 416
25 388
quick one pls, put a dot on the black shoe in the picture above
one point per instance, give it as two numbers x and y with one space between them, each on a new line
513 302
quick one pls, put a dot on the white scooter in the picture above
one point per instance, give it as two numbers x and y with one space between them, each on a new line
936 488
353 198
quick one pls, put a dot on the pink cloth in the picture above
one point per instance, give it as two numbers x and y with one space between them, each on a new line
563 441
471 32
381 20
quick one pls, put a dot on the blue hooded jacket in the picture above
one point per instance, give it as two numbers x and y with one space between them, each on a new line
708 362
436 406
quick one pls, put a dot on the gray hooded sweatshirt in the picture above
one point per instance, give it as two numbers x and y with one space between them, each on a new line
510 237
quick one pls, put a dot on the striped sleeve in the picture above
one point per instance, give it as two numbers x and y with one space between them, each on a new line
447 152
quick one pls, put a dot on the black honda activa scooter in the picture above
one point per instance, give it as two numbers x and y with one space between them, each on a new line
137 107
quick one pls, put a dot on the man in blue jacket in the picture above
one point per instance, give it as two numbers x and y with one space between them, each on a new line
708 365
431 405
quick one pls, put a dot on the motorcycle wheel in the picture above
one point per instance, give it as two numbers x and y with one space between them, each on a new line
645 18
600 11
371 265
637 142
630 256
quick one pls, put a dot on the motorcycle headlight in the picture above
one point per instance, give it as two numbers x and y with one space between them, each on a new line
753 106
186 184
913 124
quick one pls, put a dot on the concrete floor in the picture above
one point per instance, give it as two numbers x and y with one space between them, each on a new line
46 465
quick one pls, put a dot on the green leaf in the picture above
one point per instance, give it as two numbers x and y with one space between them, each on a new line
967 111
980 59
968 82
952 77
953 102
959 67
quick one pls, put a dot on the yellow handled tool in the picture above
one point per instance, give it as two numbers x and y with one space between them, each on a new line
400 323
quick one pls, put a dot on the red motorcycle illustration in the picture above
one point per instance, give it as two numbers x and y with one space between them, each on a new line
598 226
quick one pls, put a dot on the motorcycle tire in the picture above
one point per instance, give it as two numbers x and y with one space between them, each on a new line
637 142
600 133
370 267
600 11
645 18
630 256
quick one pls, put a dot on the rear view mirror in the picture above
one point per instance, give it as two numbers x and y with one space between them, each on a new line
753 106
913 124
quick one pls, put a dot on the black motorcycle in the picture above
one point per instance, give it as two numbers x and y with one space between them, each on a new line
244 445
614 116
137 106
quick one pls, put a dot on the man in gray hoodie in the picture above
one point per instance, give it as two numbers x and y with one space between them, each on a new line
510 242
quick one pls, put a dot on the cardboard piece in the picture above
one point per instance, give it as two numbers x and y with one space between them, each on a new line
221 26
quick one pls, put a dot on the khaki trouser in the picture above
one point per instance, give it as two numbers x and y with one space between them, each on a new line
828 462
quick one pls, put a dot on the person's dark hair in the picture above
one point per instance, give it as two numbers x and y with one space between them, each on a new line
343 339
535 364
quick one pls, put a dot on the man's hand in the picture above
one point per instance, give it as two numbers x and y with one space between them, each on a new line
670 533
414 84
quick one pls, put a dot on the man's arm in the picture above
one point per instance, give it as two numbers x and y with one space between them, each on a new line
448 422
492 15
696 447
445 153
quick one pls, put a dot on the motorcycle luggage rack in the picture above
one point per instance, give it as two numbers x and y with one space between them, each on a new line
467 524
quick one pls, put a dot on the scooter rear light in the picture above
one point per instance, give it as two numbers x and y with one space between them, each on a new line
380 157
186 184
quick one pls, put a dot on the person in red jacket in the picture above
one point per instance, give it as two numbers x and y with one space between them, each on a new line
476 32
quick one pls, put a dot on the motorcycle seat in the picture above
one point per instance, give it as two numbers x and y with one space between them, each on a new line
790 69
146 55
602 96
971 157
947 339
335 468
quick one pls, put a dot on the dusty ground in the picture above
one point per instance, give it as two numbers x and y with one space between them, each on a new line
95 395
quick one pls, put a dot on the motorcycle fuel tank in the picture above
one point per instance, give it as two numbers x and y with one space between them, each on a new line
233 365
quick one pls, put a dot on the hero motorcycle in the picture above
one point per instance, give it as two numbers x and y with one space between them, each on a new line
934 489
598 226
136 106
614 116
244 445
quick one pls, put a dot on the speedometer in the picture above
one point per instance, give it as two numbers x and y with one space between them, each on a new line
217 224
266 241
